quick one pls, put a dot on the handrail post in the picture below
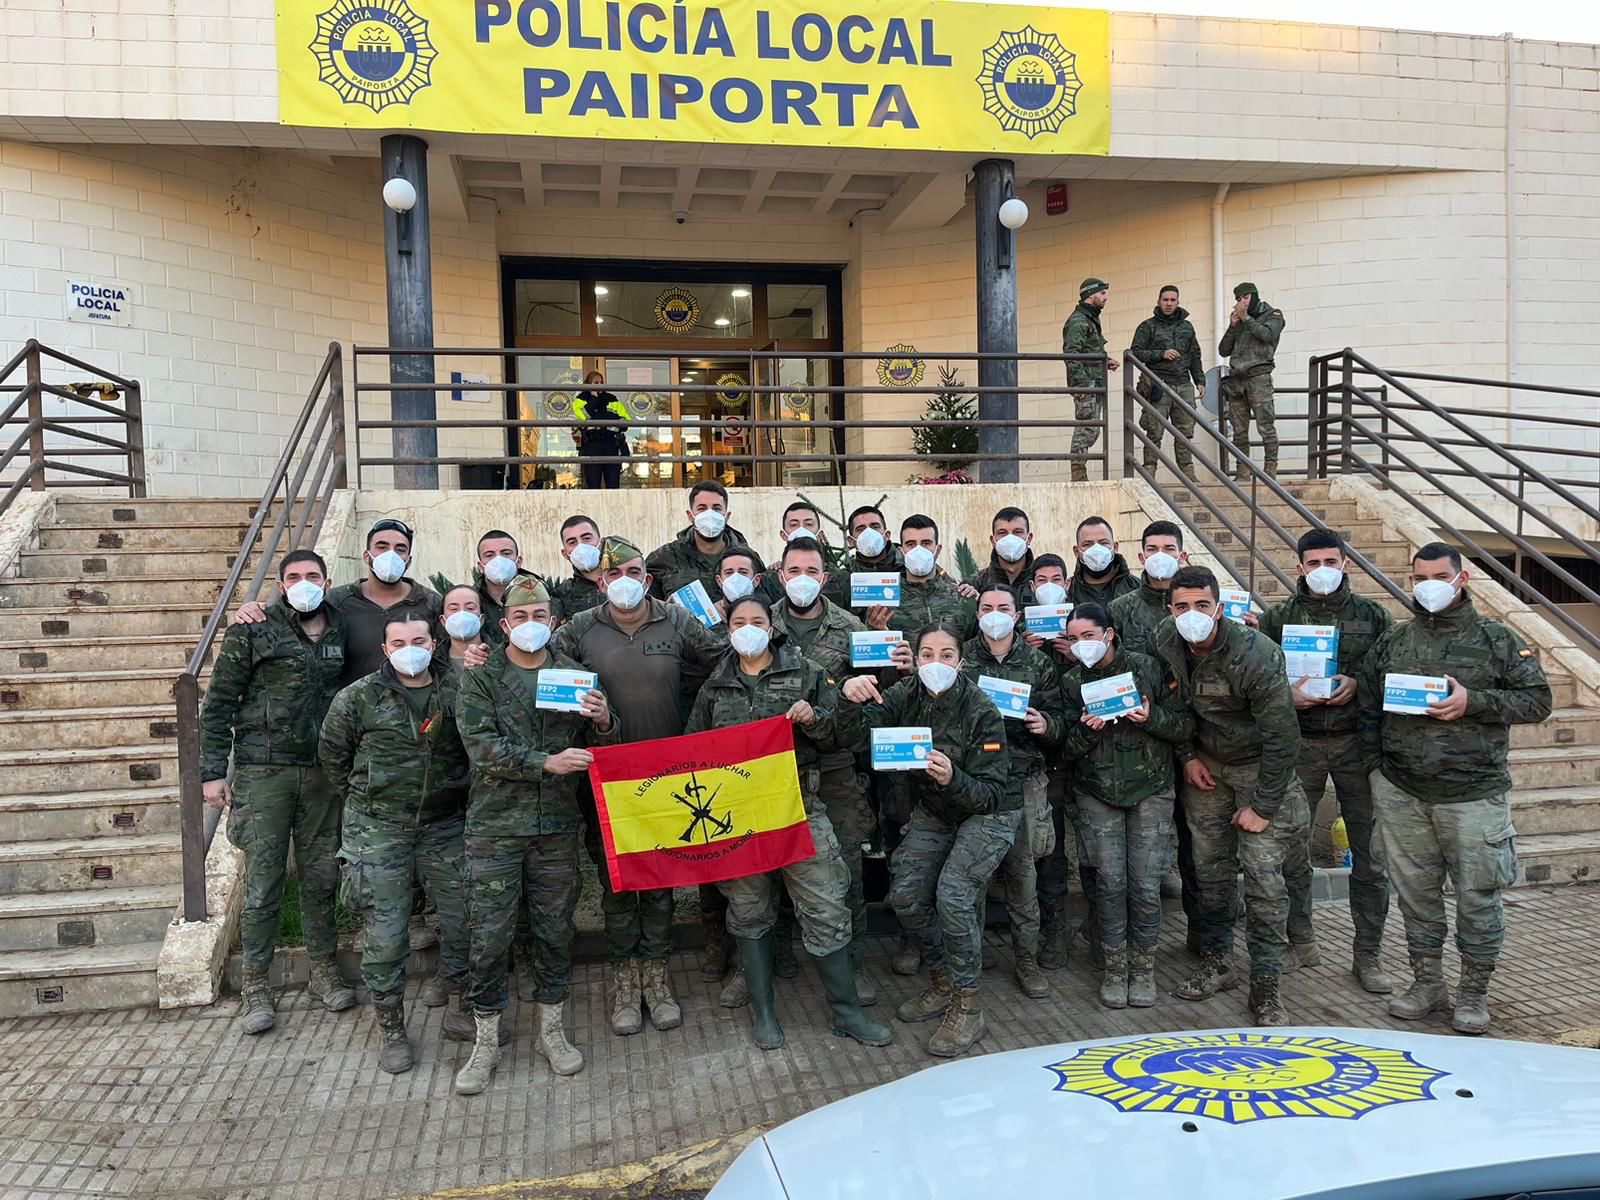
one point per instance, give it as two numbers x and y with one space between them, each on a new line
1348 382
1316 427
1129 395
191 797
35 418
336 403
133 404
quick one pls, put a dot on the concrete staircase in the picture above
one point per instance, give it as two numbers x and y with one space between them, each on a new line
1555 766
95 626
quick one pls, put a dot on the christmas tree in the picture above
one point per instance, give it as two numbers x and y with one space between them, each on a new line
951 446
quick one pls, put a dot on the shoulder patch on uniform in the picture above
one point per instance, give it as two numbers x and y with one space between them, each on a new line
992 746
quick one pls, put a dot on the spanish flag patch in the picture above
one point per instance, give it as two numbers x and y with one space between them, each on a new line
991 746
1525 653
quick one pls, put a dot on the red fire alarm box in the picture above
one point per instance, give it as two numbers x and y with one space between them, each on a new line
1055 199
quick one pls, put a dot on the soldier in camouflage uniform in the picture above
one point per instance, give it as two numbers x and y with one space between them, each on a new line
1010 556
1441 792
1250 344
1330 747
1165 342
1244 804
927 594
1000 652
964 819
1126 787
268 693
754 681
694 552
499 565
524 827
1102 573
393 753
1087 379
580 546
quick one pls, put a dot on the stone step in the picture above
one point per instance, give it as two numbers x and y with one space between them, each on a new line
100 917
1566 727
1391 558
1338 515
87 728
81 593
83 624
1559 858
117 813
25 772
192 535
80 979
150 651
90 864
1552 766
122 564
1538 811
75 689
158 510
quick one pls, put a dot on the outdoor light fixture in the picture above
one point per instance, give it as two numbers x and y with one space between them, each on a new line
401 197
1012 215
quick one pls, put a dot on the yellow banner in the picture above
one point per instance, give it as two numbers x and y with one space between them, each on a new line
885 74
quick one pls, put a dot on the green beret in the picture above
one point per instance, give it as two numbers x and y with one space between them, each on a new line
1242 290
1090 286
615 551
525 591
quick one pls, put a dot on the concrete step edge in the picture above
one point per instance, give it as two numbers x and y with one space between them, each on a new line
1543 754
116 712
77 754
96 847
109 798
140 639
1583 793
128 675
58 962
91 900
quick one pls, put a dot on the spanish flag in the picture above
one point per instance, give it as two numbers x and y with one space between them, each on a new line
680 811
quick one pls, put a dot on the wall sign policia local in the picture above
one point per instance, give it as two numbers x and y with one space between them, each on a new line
677 311
1241 1077
900 366
895 74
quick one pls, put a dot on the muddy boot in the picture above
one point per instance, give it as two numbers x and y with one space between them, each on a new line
1141 978
714 954
1302 954
838 977
460 1025
259 1008
736 992
755 967
1150 462
1172 886
658 999
1114 984
1216 974
785 964
626 1015
1269 466
1265 1006
394 1056
931 1002
1030 978
1472 998
476 1072
1089 931
1370 974
962 1026
522 963
563 1056
435 991
1427 993
1078 473
422 933
907 957
328 986
1052 939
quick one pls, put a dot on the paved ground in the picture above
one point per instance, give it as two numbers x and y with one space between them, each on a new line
180 1105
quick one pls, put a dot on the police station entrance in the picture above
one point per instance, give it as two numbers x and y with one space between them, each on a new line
680 347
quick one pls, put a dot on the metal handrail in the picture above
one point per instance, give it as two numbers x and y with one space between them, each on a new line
325 404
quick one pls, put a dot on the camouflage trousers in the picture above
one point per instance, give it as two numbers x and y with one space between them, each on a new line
844 795
1071 854
940 871
273 806
1131 849
379 861
818 886
1180 417
1472 844
1085 407
521 880
1222 852
638 924
1019 871
1338 757
1248 398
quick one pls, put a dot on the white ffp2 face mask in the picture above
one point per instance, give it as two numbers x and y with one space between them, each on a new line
463 625
750 640
799 534
1160 565
802 591
1324 581
920 561
937 677
870 543
304 596
500 569
1011 548
389 567
531 636
626 592
737 587
585 557
411 661
1434 595
1050 593
1097 557
997 625
1194 626
710 523
1089 653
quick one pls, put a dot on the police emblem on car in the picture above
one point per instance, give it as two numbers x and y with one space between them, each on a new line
373 54
1240 1077
1030 82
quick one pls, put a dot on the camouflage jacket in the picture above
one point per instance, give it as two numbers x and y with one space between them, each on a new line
1242 706
493 610
1081 335
1157 334
1124 763
507 739
269 690
934 599
726 700
386 765
1449 761
1361 623
968 728
1022 664
1081 591
995 573
830 650
577 594
679 563
1251 345
1137 615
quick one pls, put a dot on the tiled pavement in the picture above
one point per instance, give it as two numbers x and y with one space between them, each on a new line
180 1105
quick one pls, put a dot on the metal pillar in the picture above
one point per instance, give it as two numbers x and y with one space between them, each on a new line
408 270
994 182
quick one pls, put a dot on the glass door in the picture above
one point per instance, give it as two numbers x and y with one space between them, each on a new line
720 438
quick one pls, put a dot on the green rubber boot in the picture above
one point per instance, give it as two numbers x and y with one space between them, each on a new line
838 977
755 955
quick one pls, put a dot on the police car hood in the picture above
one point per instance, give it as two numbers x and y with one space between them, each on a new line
1352 1114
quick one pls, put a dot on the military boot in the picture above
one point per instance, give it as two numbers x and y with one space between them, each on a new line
1078 473
736 992
1216 974
1269 465
931 1002
1089 930
1265 1006
907 957
422 933
435 991
1192 942
522 964
714 954
1472 997
563 1056
785 964
460 1025
1052 942
626 1015
1369 972
755 961
259 1009
1114 984
395 1054
1302 954
838 977
962 1026
1150 463
1172 886
476 1072
329 986
1141 978
1030 978
1427 993
658 999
